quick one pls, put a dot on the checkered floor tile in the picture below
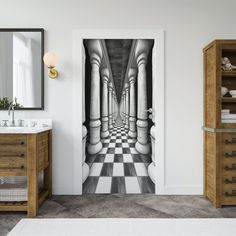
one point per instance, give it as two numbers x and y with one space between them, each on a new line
118 167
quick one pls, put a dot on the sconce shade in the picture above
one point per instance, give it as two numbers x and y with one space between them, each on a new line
50 59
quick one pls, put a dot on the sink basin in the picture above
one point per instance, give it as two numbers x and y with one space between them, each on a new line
23 130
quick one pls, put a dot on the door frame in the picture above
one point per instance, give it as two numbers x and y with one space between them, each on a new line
158 71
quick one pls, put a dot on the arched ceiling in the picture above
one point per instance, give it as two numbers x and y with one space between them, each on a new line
118 51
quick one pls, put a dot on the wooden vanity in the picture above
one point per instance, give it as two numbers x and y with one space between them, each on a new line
27 154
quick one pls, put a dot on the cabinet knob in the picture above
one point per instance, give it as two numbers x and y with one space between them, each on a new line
232 194
232 181
232 167
232 154
232 141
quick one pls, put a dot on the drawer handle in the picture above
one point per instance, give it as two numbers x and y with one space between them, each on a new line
22 167
22 155
232 141
232 194
232 154
232 167
232 181
13 143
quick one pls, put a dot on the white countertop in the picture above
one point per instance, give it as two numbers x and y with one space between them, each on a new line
23 130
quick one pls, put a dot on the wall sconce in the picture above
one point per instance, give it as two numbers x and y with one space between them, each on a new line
50 60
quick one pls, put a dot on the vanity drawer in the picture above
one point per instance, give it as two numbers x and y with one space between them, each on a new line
13 160
13 143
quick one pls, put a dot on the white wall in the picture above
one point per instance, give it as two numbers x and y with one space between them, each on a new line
189 26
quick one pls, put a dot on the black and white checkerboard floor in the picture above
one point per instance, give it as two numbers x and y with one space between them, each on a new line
118 167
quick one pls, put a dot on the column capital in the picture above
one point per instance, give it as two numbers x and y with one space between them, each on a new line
105 74
142 49
95 51
123 93
132 74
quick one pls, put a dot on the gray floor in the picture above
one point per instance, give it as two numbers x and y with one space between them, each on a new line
123 206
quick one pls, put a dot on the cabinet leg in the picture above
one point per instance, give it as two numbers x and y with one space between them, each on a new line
48 170
32 175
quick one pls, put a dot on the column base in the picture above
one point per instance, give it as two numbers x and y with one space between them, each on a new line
152 132
142 148
152 172
84 133
110 126
104 134
132 127
142 145
132 134
95 144
127 122
94 148
104 131
85 169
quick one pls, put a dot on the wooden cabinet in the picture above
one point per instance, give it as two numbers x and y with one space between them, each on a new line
219 134
27 155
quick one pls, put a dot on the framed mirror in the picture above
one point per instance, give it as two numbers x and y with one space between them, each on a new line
22 69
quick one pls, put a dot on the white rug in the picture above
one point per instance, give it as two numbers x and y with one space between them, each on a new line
125 227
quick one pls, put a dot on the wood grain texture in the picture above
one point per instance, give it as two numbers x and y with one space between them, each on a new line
219 147
27 155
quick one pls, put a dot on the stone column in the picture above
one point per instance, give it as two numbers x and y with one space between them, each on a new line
127 106
105 77
110 106
120 109
95 53
124 107
141 54
85 167
113 107
151 167
132 110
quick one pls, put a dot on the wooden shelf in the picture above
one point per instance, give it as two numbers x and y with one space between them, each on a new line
228 99
13 206
22 206
229 73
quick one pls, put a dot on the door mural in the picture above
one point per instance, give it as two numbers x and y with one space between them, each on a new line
118 128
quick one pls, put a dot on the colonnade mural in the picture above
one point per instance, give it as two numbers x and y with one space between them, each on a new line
118 126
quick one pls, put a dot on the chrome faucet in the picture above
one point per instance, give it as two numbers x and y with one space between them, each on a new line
12 108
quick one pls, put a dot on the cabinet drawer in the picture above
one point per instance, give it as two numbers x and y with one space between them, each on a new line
13 139
228 165
229 179
12 143
229 142
13 159
228 188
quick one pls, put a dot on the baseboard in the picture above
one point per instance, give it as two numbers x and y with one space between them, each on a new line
183 190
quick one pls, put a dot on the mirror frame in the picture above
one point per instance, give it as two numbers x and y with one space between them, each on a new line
40 30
